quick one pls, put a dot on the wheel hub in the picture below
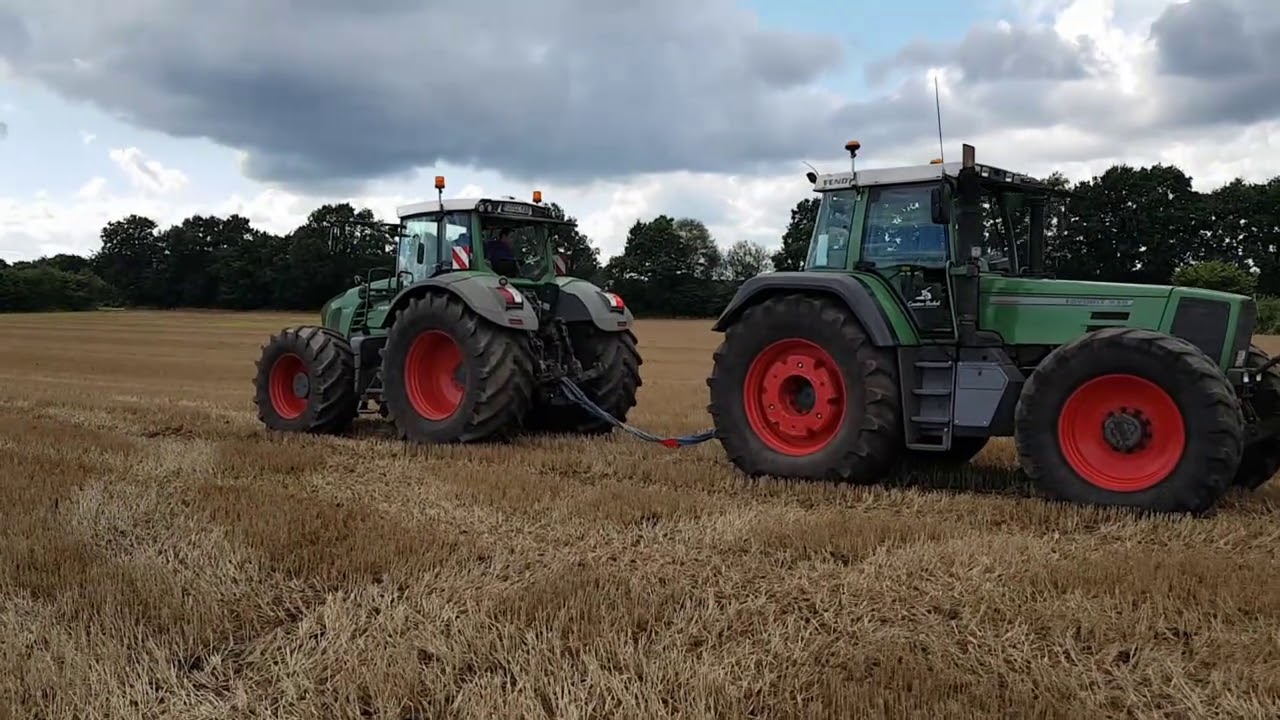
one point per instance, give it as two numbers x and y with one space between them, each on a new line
794 397
1121 432
1126 430
301 384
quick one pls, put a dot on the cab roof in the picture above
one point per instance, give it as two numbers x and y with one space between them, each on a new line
918 173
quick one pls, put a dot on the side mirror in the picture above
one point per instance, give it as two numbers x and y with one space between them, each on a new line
940 204
422 252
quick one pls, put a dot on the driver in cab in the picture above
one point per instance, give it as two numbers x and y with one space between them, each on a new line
500 253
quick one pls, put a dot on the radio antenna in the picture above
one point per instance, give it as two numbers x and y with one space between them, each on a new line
937 103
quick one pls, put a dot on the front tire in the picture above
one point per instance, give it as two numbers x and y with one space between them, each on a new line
1261 460
1133 418
448 375
305 382
798 390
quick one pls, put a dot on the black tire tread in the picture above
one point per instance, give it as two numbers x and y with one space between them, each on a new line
503 368
330 364
1219 404
876 446
1261 461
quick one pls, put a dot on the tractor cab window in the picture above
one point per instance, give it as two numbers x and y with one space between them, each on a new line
830 245
515 248
457 229
997 243
419 247
900 231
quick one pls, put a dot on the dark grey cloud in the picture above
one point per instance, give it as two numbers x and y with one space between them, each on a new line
562 89
325 93
993 54
1221 59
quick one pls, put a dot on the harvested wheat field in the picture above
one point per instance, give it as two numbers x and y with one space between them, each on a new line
165 557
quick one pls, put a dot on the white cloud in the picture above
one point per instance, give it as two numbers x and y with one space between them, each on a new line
147 175
87 137
91 189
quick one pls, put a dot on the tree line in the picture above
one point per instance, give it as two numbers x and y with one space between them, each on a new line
1140 225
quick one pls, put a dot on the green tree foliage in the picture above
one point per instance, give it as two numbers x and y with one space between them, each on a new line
582 260
795 241
1145 225
744 260
1216 275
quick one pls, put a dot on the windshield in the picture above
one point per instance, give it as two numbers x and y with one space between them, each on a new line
515 248
830 245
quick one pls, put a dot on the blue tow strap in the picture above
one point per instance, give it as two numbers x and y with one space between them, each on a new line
575 394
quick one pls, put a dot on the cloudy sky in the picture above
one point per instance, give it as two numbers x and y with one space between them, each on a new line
618 111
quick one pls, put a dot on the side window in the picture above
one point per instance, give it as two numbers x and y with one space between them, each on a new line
899 229
457 229
420 234
829 247
993 244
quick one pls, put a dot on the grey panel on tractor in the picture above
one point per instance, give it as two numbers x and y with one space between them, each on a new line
948 393
988 384
855 295
1203 323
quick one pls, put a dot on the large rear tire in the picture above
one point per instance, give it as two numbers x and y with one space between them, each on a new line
1126 417
449 375
1261 460
613 390
305 382
798 390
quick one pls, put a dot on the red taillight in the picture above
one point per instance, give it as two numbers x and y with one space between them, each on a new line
510 296
615 301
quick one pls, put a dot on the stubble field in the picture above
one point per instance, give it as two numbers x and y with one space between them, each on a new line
162 556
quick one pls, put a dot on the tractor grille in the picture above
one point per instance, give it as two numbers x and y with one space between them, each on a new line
1203 323
1244 328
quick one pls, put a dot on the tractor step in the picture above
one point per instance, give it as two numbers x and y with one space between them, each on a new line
930 374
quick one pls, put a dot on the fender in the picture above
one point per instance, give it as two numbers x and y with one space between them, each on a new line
847 288
480 293
581 301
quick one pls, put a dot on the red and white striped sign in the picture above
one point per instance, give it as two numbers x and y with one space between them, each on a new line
461 258
562 267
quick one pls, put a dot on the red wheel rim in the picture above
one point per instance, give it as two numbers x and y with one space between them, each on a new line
433 375
1121 433
288 386
794 397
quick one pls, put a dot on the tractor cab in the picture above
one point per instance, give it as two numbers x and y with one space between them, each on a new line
499 236
927 232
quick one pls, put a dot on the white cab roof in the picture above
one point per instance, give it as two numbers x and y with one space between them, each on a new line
909 174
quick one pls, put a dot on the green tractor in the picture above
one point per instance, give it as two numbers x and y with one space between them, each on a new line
470 337
923 325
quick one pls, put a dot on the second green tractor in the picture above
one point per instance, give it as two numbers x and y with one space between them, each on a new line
923 324
469 337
